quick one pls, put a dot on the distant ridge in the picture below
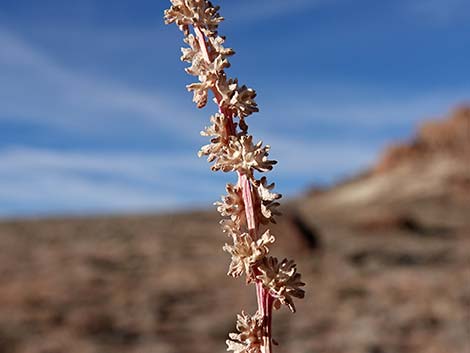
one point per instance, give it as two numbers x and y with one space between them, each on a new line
449 137
434 165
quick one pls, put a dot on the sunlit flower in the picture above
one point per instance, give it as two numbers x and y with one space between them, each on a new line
282 280
232 204
250 205
246 252
249 336
267 200
194 12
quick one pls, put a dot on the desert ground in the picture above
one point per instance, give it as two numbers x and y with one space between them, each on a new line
385 255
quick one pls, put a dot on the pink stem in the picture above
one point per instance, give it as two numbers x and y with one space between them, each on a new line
202 43
265 300
248 201
265 307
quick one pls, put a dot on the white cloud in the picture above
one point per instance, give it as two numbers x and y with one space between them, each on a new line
304 161
331 158
44 181
35 87
367 107
48 181
440 11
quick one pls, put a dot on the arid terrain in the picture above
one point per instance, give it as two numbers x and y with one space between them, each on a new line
386 259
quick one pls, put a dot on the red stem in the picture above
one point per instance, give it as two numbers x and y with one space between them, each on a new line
265 300
265 307
248 201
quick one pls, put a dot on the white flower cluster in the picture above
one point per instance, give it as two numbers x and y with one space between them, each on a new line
247 206
247 252
250 336
282 279
196 13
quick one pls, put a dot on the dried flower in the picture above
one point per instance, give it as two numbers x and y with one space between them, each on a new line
217 47
230 227
267 200
250 203
282 280
236 153
239 100
194 12
243 155
244 101
249 338
200 93
247 252
220 137
232 205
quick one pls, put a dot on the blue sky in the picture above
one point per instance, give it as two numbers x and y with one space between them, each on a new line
94 116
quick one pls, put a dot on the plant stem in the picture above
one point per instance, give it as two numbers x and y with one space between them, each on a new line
265 307
244 183
264 299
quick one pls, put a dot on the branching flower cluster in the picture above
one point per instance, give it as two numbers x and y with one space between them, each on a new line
250 205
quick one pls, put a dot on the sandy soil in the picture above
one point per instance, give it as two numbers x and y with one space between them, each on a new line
386 259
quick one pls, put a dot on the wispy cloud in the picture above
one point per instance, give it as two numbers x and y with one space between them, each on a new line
367 106
440 11
44 181
41 89
327 158
47 181
35 87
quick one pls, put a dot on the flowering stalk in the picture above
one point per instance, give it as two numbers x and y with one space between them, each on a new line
250 205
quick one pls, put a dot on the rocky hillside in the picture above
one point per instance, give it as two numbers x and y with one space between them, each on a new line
386 258
435 165
443 138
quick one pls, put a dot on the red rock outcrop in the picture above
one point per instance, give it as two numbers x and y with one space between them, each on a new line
449 137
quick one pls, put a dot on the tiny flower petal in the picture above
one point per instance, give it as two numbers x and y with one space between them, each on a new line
247 252
249 338
282 280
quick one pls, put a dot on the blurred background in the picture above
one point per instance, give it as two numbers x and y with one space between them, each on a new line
108 242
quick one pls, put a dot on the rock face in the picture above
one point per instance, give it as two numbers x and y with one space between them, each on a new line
434 166
448 138
386 259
